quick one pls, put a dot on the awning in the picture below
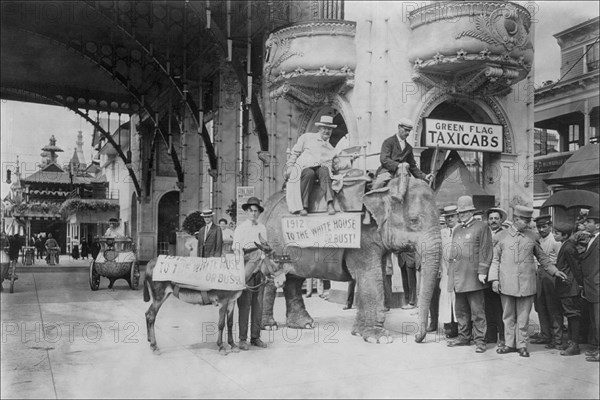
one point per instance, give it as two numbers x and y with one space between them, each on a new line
580 169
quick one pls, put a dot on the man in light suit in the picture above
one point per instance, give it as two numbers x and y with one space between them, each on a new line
210 237
395 150
590 269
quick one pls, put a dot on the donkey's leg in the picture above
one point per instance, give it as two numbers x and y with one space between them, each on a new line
222 316
230 315
159 295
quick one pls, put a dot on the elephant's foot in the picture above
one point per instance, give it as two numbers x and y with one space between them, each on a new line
376 334
419 337
300 320
269 323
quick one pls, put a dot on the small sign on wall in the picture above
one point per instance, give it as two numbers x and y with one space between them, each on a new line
461 135
243 193
341 230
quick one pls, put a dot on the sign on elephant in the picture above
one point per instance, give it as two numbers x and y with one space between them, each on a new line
223 273
321 230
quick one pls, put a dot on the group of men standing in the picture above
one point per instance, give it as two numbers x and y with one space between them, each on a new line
496 273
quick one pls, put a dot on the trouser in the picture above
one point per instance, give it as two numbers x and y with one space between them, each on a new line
409 284
320 286
595 317
470 307
251 302
387 290
381 180
493 316
515 314
351 288
307 180
572 310
549 308
434 306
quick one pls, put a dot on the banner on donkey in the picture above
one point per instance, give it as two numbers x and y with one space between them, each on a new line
341 230
222 273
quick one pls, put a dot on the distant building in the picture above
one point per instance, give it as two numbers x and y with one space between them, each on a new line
566 117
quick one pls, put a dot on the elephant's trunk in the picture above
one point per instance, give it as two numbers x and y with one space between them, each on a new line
430 251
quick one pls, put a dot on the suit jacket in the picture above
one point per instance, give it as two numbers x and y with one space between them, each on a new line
513 264
591 272
567 261
213 245
391 156
471 255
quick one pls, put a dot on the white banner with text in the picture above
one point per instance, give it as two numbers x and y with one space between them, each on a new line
224 273
323 230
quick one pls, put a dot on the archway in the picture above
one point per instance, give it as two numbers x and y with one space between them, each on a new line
168 223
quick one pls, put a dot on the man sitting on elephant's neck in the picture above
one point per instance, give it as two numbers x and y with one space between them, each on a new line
394 151
468 268
311 158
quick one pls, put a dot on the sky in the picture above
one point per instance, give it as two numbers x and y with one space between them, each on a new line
26 128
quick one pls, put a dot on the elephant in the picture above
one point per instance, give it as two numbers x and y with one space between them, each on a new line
404 216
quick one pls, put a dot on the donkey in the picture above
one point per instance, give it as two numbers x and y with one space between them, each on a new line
262 258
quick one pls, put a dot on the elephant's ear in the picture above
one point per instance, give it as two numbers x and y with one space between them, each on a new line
399 184
378 203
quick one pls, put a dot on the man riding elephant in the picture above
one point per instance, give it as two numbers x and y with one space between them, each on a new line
404 216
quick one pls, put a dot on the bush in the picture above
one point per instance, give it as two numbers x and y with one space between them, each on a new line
193 223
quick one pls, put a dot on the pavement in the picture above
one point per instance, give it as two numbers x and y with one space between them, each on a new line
61 340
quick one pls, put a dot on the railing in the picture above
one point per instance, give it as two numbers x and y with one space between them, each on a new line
101 193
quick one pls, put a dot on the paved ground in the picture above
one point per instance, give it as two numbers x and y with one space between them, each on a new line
61 340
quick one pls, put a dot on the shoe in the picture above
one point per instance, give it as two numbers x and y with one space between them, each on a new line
386 309
330 209
304 212
591 353
432 327
572 350
554 346
258 343
308 295
595 358
535 336
540 341
523 352
456 343
505 350
408 307
243 345
347 308
480 348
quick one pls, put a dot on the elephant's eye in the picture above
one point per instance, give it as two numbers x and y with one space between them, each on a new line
414 222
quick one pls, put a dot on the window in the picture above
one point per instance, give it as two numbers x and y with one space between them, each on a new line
573 137
545 141
592 56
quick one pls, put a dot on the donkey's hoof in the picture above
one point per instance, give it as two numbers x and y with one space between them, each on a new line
156 351
419 337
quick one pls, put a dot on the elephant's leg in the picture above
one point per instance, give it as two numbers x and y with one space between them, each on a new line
268 322
296 314
369 280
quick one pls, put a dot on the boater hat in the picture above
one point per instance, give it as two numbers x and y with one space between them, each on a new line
450 210
252 201
207 212
326 120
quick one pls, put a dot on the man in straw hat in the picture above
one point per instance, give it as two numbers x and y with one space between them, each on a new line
494 217
114 230
311 158
395 150
469 266
513 274
210 237
244 238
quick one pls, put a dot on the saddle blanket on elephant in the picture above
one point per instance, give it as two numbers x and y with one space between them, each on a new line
222 273
341 230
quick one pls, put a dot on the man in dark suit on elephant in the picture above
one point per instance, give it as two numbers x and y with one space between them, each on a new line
395 150
210 237
468 269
